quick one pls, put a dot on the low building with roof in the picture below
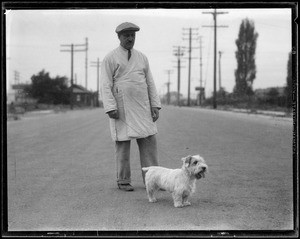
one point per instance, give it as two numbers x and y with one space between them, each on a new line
83 97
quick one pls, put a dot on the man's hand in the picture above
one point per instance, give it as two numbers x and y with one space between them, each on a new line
114 114
155 113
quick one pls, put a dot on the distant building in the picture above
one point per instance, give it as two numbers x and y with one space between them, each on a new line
262 93
18 95
272 96
10 97
83 97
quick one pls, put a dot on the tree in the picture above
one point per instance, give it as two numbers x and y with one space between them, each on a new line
245 55
272 96
222 93
48 90
288 91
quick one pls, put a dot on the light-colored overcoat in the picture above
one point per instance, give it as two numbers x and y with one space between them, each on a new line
128 86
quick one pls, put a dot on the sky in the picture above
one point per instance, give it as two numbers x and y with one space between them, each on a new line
34 39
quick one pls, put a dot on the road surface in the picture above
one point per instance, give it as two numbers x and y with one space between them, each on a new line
61 173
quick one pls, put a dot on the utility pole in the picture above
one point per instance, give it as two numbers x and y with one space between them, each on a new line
75 78
201 90
190 59
220 54
215 13
17 77
97 64
72 63
86 62
178 53
168 86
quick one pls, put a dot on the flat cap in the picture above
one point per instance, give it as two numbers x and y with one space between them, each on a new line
127 26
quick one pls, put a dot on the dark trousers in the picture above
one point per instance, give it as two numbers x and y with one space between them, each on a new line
148 157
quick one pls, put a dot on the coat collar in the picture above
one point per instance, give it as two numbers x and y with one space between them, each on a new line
125 50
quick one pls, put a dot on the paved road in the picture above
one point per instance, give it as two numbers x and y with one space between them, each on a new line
61 173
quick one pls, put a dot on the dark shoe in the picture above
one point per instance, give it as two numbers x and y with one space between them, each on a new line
125 187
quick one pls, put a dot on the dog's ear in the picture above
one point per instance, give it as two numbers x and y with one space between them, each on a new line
197 156
187 160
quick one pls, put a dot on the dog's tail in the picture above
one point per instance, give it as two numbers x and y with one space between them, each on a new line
145 169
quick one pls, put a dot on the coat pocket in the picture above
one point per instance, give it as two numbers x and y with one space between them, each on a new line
119 96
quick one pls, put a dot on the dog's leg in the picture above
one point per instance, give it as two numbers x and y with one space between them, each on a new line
185 200
151 196
150 192
177 199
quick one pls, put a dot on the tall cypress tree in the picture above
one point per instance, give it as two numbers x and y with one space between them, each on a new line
245 55
289 82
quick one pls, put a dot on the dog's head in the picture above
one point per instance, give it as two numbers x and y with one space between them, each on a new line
195 166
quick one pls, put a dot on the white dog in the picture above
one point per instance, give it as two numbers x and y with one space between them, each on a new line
180 182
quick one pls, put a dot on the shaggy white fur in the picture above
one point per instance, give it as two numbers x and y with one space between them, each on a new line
180 182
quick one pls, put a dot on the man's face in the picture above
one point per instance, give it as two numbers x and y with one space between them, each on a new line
127 39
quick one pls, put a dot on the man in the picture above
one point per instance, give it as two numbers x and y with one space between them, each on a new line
131 101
